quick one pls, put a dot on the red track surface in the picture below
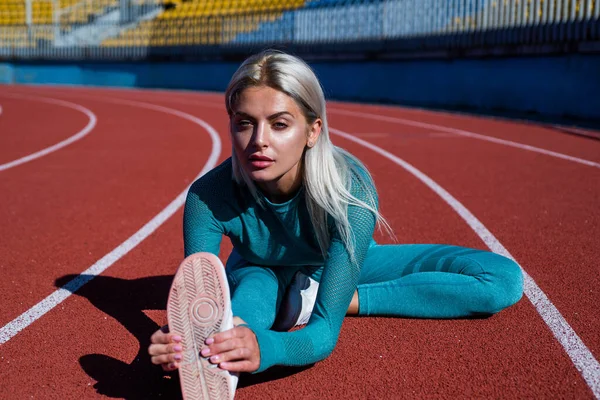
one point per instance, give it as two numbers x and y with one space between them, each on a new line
63 212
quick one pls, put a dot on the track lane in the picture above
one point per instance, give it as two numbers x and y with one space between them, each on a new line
428 338
479 175
101 333
519 132
528 133
73 377
88 200
106 342
469 134
545 137
32 124
83 347
412 134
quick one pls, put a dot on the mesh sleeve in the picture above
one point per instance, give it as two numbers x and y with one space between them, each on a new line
318 338
201 230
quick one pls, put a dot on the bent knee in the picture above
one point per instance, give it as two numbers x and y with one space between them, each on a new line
501 282
505 285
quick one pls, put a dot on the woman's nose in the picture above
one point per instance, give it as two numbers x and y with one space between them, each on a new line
261 135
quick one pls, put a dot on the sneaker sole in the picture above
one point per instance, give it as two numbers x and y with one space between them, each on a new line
198 300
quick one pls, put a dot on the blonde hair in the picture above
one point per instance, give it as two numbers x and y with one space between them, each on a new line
327 169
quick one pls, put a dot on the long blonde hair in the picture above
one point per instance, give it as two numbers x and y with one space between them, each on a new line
327 169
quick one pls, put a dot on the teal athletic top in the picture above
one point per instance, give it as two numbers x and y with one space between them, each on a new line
281 235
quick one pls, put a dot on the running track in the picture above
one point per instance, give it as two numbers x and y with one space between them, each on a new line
92 183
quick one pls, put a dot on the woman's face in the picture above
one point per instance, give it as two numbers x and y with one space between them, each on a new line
269 135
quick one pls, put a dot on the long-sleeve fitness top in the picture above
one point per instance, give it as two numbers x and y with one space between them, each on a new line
281 235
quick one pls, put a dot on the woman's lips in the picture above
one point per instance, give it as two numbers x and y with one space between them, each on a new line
260 164
260 161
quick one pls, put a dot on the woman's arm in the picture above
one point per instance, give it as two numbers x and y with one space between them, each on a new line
318 338
201 230
338 283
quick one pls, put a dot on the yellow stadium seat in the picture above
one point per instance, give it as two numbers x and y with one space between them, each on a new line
196 21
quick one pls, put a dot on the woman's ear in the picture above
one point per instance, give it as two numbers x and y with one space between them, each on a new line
314 132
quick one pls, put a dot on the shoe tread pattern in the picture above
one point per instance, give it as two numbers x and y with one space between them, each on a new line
197 284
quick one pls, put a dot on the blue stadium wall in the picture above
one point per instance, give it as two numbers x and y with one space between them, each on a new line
560 86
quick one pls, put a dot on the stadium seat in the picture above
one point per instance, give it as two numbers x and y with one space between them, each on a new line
195 22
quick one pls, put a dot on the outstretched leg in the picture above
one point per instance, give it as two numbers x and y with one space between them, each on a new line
436 281
255 295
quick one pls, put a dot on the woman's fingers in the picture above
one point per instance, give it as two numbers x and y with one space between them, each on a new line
162 359
166 358
163 354
238 332
165 349
227 335
235 348
222 347
158 349
239 366
170 367
237 353
241 359
159 337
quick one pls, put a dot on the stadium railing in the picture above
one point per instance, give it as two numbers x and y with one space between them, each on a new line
173 29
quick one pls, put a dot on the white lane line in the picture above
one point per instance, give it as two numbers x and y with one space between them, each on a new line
580 355
47 304
466 134
0 109
87 129
408 122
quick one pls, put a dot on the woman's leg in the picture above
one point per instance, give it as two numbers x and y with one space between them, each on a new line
436 281
255 295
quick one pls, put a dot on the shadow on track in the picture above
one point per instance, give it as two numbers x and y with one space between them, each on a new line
125 300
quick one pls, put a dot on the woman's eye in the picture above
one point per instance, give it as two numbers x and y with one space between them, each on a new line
279 125
243 124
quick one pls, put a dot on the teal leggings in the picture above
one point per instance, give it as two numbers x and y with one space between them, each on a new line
414 280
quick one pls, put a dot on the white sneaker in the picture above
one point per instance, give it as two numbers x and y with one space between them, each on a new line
298 303
199 305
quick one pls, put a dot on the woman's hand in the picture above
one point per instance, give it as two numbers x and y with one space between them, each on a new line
234 350
165 349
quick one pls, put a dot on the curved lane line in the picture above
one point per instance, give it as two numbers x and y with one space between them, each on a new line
27 318
87 129
580 355
461 132
424 125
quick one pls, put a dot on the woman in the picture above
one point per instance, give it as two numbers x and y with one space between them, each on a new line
301 213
